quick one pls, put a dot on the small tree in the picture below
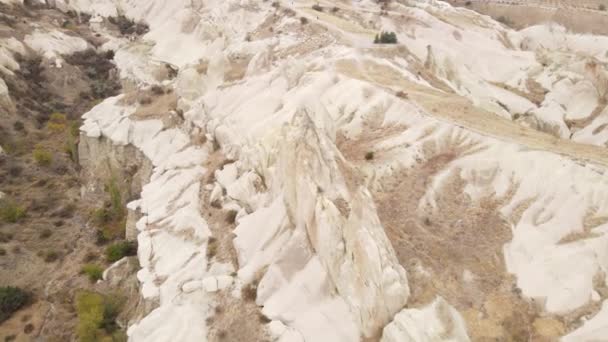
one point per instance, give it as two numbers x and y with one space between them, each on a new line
386 38
94 272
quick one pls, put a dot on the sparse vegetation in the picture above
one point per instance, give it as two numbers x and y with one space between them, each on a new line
57 123
110 218
94 272
369 155
157 90
386 38
18 126
127 26
5 237
317 7
303 20
97 317
120 250
49 256
71 142
42 156
10 211
504 20
602 7
212 246
46 233
468 4
145 100
402 94
231 216
11 300
249 292
99 69
109 54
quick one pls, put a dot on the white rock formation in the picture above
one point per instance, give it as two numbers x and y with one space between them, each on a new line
298 117
436 322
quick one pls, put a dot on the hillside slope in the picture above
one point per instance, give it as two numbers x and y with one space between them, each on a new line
309 185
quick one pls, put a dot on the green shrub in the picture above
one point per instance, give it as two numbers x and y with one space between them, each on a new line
11 300
50 256
57 122
369 155
231 216
42 156
18 126
111 218
94 272
115 198
386 38
71 144
97 317
46 233
212 247
10 211
120 250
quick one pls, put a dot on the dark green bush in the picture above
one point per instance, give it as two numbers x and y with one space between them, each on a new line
127 26
94 272
120 250
386 38
11 300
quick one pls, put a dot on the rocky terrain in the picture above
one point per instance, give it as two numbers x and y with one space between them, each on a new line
582 16
301 171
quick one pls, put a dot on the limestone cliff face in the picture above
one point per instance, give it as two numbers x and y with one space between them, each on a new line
102 160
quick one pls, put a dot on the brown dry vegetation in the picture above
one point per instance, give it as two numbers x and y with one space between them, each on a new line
455 249
44 250
576 15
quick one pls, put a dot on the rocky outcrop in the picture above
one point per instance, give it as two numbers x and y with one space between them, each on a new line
437 321
102 160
